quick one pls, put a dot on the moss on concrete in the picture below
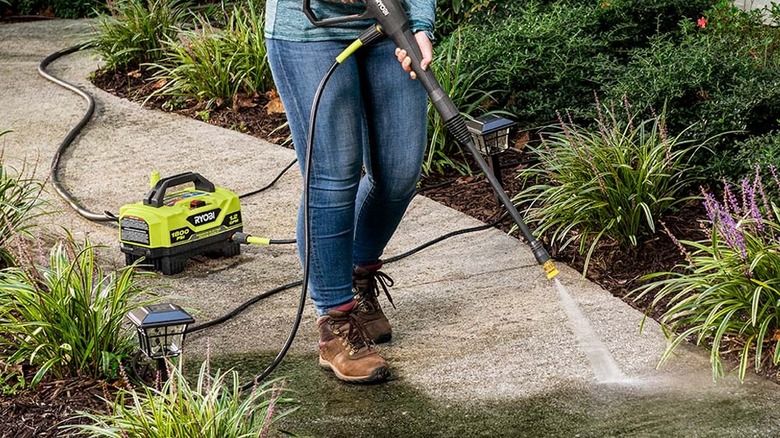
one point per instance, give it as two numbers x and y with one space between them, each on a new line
329 408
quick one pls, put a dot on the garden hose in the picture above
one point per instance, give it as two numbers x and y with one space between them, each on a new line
66 142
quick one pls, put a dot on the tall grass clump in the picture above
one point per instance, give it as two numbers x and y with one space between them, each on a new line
727 293
20 204
614 182
65 319
216 65
214 407
133 32
460 84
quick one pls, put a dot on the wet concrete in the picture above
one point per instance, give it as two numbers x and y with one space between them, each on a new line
482 343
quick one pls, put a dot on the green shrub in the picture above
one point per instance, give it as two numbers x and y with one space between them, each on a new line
213 65
547 58
443 151
20 204
743 155
66 319
720 78
213 408
60 8
728 292
613 182
134 30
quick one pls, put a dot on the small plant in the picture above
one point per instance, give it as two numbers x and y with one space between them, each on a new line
215 66
214 408
20 204
460 84
67 319
614 182
728 292
133 31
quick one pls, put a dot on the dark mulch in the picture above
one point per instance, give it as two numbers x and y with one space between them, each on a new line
41 412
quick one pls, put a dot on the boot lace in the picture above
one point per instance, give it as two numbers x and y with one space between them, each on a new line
351 332
369 286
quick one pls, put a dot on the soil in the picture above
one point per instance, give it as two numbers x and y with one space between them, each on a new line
38 413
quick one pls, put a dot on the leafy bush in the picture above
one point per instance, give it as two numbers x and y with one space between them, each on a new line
743 155
728 292
213 408
214 65
134 30
20 204
616 182
60 8
547 58
459 84
66 319
721 78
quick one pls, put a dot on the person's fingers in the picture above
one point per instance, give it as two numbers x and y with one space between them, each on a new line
426 48
407 64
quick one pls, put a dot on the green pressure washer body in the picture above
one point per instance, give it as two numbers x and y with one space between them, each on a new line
167 229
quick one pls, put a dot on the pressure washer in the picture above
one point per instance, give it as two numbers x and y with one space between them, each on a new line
169 228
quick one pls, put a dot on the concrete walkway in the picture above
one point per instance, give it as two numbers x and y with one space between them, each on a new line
481 336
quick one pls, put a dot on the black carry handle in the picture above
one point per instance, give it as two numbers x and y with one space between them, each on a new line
156 196
335 20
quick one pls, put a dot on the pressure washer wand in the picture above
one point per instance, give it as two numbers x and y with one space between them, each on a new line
393 22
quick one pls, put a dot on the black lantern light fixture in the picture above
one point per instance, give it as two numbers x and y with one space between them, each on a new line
161 330
491 135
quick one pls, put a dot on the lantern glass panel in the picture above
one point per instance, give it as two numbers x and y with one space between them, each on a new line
165 341
496 142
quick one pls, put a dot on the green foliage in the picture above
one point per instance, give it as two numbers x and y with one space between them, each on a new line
459 84
20 204
549 57
743 155
616 182
66 319
728 292
60 8
722 78
214 65
134 30
450 14
213 408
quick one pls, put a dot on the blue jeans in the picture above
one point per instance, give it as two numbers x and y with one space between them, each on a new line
372 116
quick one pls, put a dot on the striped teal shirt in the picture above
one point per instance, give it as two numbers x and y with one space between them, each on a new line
284 19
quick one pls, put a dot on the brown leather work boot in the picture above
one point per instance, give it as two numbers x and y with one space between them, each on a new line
345 350
366 281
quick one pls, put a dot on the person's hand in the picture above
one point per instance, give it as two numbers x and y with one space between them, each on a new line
426 48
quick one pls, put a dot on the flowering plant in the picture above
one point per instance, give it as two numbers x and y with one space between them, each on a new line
728 292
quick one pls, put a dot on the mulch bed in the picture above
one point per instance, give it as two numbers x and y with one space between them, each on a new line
41 413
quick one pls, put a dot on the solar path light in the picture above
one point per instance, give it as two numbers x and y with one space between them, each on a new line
161 330
491 135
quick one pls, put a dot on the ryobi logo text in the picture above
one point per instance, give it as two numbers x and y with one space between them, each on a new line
382 7
204 218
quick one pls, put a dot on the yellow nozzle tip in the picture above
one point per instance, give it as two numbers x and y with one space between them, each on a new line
550 269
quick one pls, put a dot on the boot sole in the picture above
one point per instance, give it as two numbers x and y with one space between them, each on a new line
379 375
383 338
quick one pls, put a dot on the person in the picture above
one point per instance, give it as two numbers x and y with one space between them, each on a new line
369 141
